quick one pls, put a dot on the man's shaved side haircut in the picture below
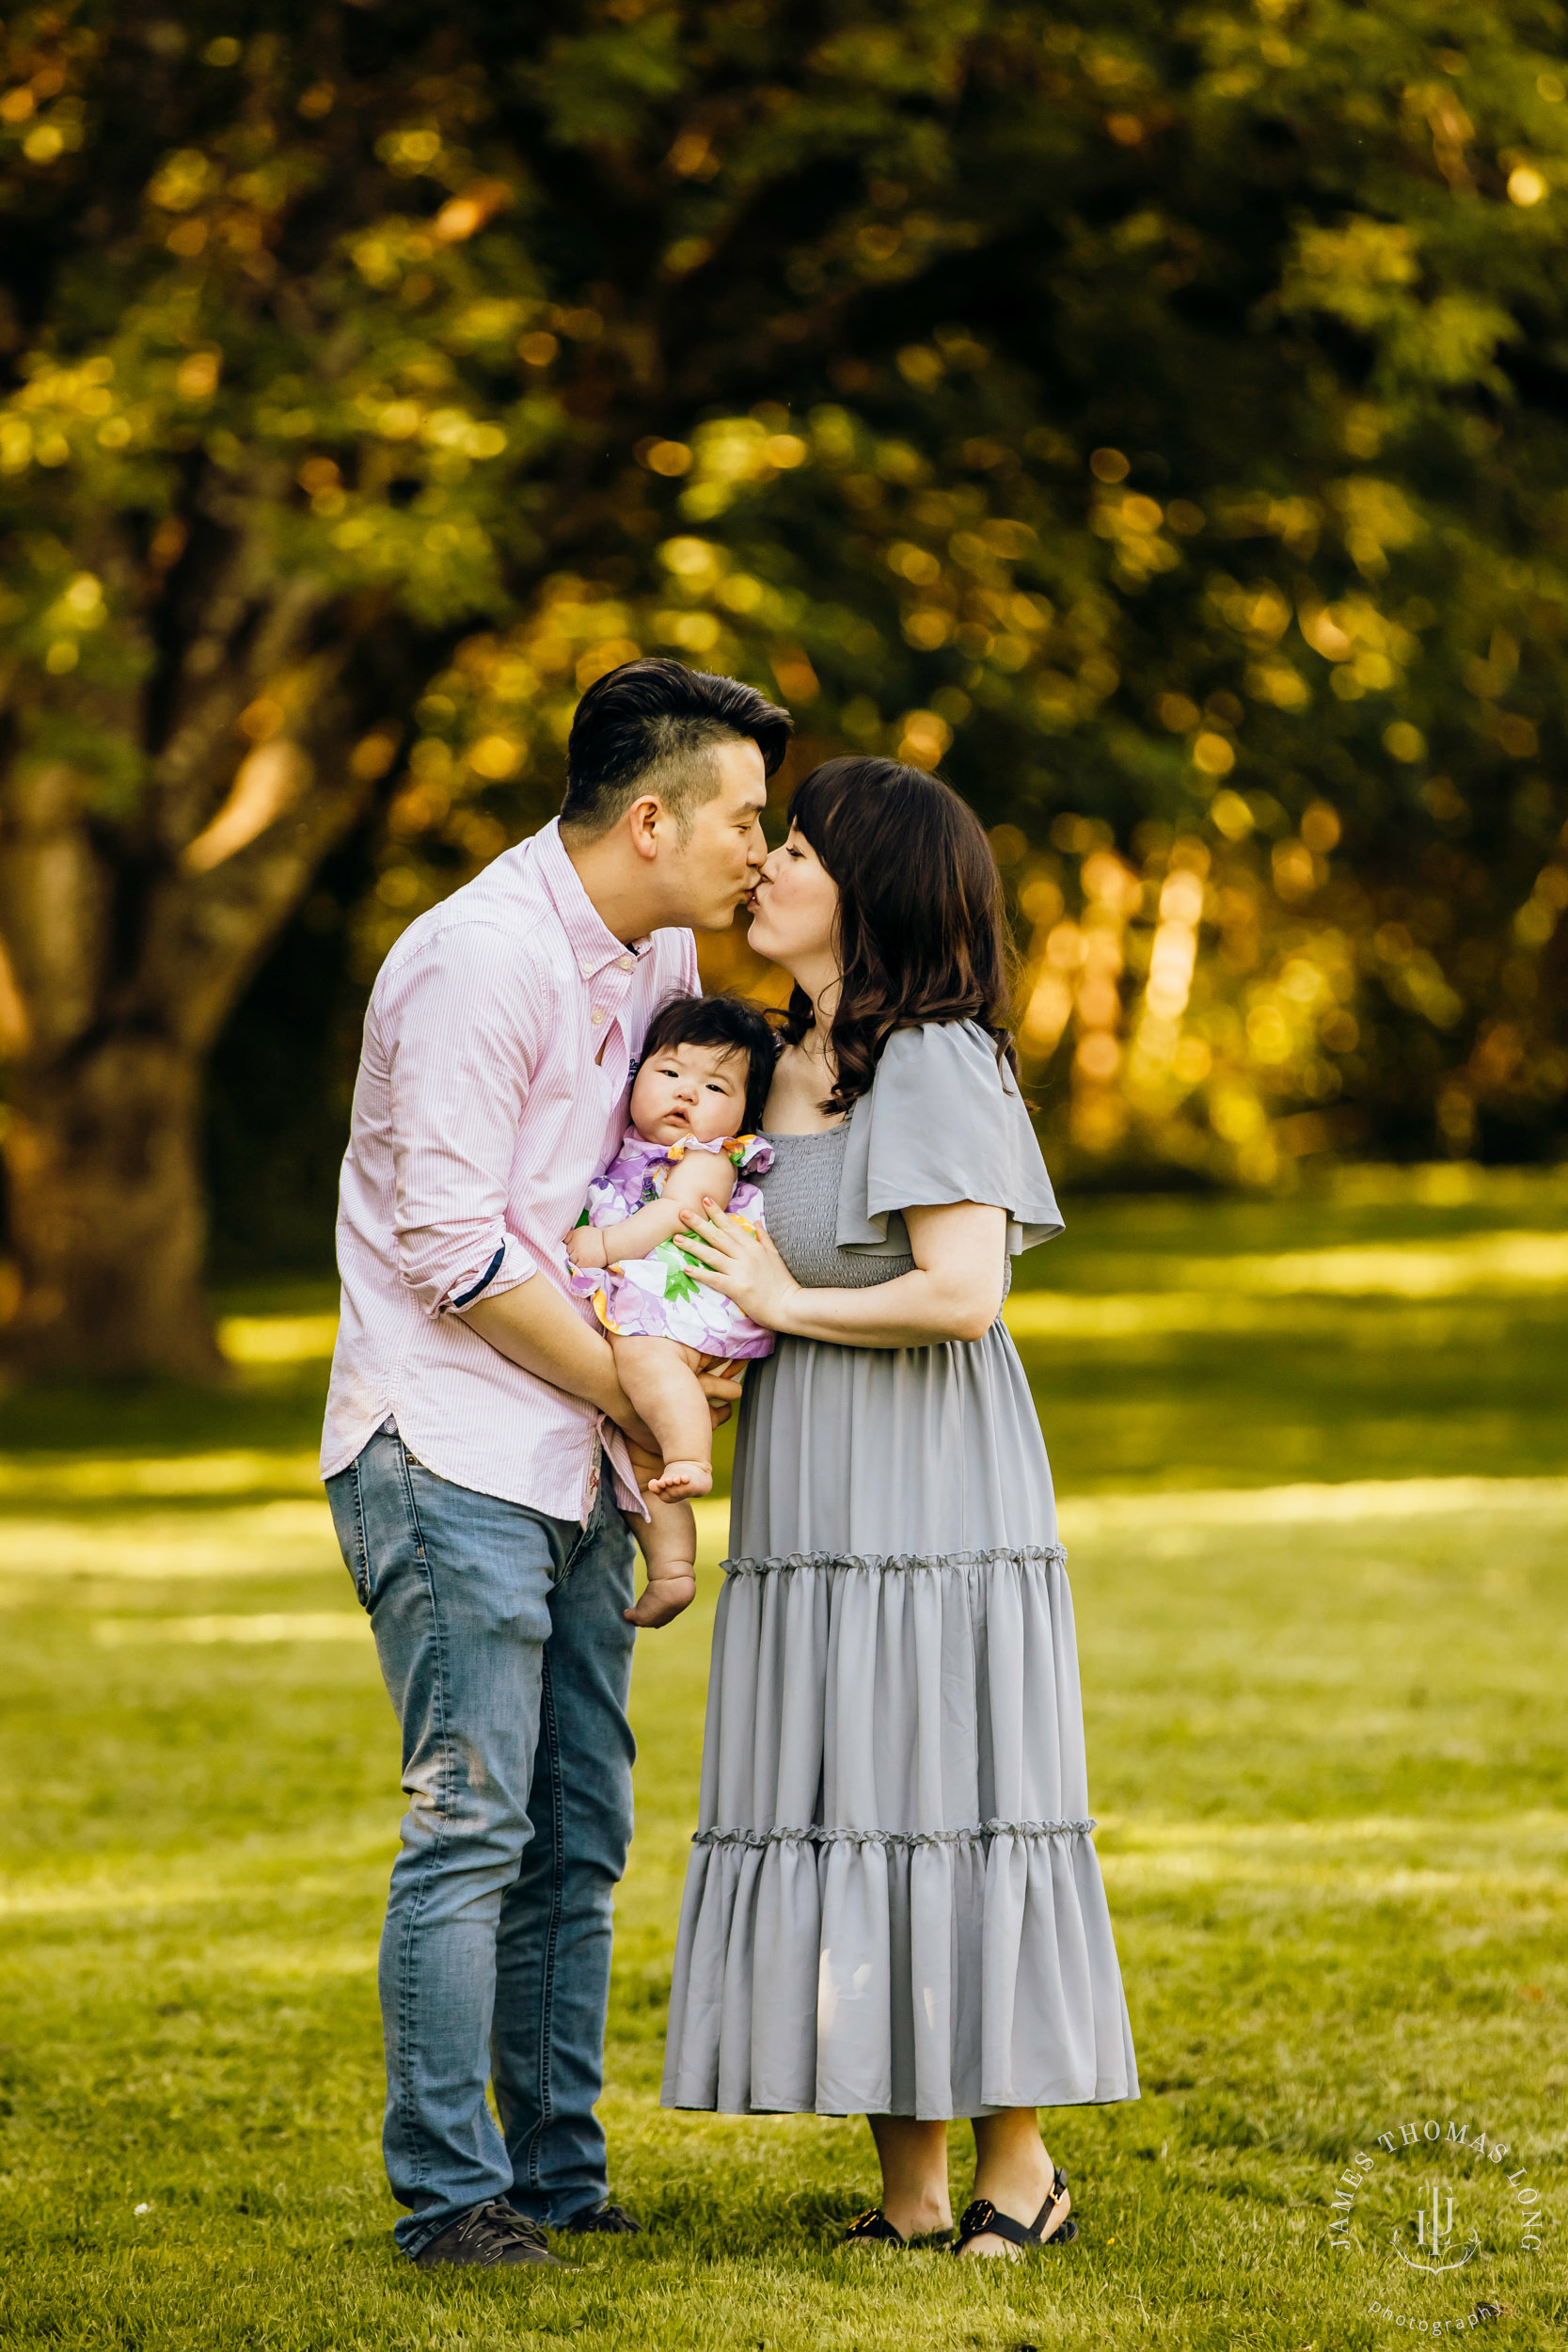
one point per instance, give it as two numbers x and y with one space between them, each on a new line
653 726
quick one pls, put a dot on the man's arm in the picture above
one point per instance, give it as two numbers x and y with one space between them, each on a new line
465 1040
534 1325
460 1069
461 1020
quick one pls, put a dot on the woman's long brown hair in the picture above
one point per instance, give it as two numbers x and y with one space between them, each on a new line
922 931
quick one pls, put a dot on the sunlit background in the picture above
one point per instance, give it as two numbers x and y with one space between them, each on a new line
1157 421
1159 428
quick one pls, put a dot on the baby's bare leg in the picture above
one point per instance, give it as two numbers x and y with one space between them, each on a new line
668 1539
661 1378
652 1372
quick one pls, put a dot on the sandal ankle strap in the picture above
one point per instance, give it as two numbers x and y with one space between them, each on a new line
980 2219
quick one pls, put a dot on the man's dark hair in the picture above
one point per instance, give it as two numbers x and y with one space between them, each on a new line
654 726
734 1027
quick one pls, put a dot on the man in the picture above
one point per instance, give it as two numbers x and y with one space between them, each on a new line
475 1448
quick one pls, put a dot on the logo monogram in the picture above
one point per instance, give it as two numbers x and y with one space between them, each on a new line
1434 2236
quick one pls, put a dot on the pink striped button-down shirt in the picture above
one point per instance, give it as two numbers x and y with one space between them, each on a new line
493 1081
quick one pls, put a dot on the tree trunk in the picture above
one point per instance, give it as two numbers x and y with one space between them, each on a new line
123 944
106 1213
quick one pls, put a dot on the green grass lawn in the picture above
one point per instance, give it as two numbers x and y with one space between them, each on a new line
1328 1753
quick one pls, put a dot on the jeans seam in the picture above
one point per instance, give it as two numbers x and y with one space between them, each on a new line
406 1974
558 1887
361 1549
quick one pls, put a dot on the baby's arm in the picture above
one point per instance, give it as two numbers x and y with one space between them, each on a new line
698 1173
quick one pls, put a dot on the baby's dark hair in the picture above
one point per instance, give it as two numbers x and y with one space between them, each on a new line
733 1025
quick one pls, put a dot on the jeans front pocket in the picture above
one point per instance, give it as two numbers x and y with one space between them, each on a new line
347 1507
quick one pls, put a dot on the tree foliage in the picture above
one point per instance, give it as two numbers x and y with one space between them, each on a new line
1155 415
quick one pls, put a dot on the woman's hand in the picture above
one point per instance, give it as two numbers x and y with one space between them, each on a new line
742 1265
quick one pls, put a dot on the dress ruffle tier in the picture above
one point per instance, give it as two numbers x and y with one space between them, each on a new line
935 1941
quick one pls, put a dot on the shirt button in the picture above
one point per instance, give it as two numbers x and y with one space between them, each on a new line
595 1016
584 965
628 963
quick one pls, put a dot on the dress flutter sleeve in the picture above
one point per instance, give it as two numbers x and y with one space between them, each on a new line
753 1154
942 1121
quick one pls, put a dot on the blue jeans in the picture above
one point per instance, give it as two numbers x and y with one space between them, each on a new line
508 1660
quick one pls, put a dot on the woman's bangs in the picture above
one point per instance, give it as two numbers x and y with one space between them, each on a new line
821 801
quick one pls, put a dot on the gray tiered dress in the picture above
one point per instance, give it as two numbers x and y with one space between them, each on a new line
893 1904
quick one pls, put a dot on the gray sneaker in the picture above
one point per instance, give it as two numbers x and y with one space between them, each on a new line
486 2237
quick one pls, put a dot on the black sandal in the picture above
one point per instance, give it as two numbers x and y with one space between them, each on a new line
981 2219
873 2228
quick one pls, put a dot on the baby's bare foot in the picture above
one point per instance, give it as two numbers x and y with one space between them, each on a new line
663 1596
679 1479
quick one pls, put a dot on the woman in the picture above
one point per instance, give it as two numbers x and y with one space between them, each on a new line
894 1906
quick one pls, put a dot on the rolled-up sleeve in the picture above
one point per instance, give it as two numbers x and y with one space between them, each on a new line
461 1025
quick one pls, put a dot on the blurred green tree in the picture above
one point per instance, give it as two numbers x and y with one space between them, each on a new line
1161 416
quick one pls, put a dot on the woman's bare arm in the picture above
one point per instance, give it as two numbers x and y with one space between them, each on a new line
954 1291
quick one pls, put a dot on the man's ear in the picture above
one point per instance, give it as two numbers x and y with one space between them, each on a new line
643 820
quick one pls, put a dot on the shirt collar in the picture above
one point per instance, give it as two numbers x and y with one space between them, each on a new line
593 943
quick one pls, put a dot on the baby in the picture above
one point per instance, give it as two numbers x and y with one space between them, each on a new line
701 1085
